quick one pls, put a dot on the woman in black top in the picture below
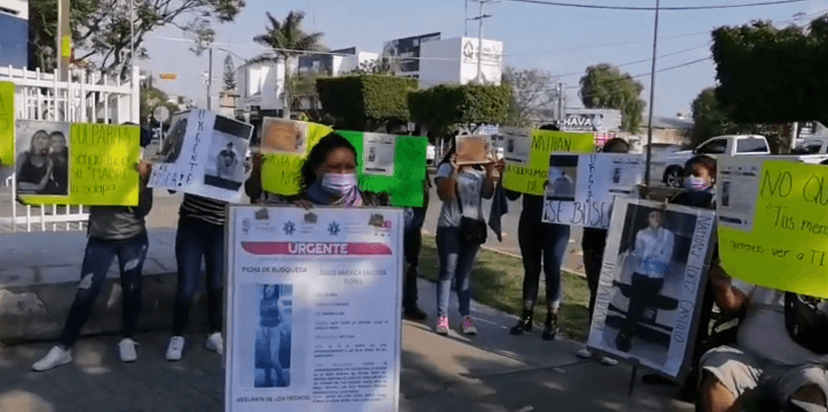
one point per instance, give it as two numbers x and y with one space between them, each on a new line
34 167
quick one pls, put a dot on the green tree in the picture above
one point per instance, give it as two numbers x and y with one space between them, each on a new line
534 95
709 118
101 29
364 102
288 40
150 99
444 108
604 86
229 74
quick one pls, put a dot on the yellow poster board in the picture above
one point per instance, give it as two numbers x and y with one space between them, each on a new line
787 248
280 172
6 123
530 178
102 171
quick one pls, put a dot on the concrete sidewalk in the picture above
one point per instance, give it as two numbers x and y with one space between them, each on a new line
490 372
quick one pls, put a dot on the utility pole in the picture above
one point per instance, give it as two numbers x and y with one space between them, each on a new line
560 102
466 21
64 41
479 18
652 100
210 81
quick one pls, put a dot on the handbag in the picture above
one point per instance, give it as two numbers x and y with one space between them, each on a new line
806 322
472 231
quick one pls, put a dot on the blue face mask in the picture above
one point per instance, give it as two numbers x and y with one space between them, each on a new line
696 183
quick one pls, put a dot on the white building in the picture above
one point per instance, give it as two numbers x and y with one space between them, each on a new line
260 87
14 33
335 62
454 61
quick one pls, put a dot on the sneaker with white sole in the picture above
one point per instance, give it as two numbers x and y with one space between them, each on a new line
609 361
215 343
442 325
57 356
584 353
468 326
175 348
126 348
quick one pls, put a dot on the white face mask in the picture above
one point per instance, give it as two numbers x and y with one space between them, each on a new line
696 183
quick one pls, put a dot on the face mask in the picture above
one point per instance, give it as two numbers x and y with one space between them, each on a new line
696 183
342 187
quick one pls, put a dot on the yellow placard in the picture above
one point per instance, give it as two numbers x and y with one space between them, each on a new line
280 172
530 178
66 49
102 171
6 123
788 246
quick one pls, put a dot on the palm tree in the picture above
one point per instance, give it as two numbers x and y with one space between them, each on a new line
288 41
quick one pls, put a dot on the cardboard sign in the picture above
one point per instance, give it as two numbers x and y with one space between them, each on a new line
405 184
203 155
284 136
313 309
473 149
82 163
531 177
648 300
280 171
773 226
581 188
6 123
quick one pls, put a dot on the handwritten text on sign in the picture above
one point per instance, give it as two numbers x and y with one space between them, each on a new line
787 247
530 179
103 164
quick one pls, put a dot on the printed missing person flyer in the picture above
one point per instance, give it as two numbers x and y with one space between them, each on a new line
313 309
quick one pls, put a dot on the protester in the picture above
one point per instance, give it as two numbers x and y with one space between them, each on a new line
412 242
34 166
538 242
461 218
200 236
113 231
593 243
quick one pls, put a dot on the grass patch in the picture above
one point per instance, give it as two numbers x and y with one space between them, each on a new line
497 281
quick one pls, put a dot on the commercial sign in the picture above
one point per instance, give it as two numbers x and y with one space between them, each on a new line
491 56
408 50
167 76
602 120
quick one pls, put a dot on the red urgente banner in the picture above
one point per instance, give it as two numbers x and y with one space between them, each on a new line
315 248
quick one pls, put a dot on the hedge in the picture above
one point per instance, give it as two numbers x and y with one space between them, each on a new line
445 105
357 98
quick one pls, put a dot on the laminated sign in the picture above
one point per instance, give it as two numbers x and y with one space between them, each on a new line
527 163
285 145
773 225
77 164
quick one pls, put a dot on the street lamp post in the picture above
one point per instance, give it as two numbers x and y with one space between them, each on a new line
652 100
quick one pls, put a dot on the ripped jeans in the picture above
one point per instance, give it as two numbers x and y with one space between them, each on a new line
96 261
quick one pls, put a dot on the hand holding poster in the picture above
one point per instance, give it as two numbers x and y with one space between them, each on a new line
280 167
6 123
204 155
531 177
82 163
581 188
313 309
647 303
773 225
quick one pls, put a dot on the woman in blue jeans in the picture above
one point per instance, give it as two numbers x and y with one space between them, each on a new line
461 189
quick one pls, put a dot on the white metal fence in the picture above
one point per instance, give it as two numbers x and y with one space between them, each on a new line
84 98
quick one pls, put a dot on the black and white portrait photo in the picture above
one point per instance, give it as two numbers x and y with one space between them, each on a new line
378 153
655 260
273 336
42 158
563 176
225 159
174 141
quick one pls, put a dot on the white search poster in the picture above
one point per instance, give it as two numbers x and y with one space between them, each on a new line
581 188
738 187
203 155
378 153
313 309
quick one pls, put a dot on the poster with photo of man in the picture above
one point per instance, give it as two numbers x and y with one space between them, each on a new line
655 265
42 164
225 164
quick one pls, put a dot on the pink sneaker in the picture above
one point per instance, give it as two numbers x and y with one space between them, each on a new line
468 326
442 325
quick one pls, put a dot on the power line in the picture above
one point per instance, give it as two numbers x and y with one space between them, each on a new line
640 61
636 8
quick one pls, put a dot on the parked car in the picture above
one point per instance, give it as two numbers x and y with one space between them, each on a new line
730 145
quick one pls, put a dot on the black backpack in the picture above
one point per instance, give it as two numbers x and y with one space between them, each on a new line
806 323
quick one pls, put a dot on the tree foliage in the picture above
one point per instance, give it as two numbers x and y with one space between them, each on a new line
604 86
364 100
772 75
229 74
288 40
443 107
101 29
534 95
150 99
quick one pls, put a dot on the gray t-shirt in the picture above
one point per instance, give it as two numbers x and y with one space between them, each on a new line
469 187
119 222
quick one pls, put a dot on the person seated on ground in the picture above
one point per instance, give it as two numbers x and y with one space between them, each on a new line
765 359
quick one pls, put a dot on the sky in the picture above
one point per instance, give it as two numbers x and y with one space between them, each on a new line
563 41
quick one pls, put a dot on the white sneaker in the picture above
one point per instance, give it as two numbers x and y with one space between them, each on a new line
215 343
608 361
57 356
584 353
126 348
175 348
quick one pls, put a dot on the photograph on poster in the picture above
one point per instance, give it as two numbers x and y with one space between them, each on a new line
473 149
42 158
516 143
273 335
648 291
378 153
563 174
225 162
738 188
283 136
174 140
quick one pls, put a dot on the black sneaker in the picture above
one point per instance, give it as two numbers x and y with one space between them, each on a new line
550 327
524 323
415 313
